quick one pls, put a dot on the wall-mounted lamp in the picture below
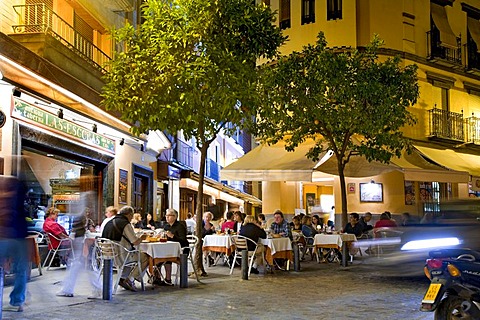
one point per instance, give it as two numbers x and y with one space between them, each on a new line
94 125
48 105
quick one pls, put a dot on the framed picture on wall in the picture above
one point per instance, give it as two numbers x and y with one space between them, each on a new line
310 199
123 186
371 192
351 188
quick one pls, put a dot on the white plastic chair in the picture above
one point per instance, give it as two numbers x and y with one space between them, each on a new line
241 243
112 250
64 245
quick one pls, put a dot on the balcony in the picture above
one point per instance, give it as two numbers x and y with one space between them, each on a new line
446 125
180 153
472 57
212 170
48 35
472 125
447 56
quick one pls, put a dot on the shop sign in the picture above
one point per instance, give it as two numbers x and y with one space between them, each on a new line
35 115
166 171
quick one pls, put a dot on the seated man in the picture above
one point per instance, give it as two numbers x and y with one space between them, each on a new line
280 227
251 230
53 227
120 230
367 217
177 232
354 226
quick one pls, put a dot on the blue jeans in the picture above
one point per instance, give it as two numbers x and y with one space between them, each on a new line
16 249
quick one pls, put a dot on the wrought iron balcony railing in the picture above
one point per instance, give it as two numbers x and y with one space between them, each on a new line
436 51
38 18
472 125
446 124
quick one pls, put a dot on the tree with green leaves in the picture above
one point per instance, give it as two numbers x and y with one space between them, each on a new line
335 96
191 67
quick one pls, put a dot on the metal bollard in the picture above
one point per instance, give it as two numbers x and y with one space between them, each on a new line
107 279
1 291
296 257
344 255
244 264
183 270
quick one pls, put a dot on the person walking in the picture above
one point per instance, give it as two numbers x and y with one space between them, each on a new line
13 230
79 228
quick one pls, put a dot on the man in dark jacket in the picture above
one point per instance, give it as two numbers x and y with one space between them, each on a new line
176 231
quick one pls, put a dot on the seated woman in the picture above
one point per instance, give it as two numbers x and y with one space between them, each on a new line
316 222
238 218
296 224
207 229
307 229
262 222
229 224
384 222
53 227
251 230
207 225
136 221
149 223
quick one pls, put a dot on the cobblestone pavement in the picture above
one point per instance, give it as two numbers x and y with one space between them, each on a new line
319 291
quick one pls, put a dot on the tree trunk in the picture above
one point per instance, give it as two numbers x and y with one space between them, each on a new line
199 210
343 191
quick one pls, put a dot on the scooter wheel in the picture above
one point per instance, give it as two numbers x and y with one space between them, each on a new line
451 308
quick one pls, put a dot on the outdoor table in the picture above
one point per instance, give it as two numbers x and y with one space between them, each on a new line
161 252
278 248
218 243
335 241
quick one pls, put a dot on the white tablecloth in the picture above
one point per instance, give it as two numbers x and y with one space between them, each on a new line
169 249
92 235
217 240
277 244
333 239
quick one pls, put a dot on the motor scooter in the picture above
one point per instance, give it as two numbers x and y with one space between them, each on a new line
454 290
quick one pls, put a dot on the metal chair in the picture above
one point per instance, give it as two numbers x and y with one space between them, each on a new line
241 243
192 241
109 249
308 246
64 245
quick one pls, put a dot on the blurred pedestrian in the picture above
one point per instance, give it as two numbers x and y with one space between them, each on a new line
13 230
80 222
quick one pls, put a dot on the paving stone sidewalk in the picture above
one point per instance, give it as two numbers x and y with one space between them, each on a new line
319 291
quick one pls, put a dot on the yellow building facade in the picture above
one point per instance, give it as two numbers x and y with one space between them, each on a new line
442 37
